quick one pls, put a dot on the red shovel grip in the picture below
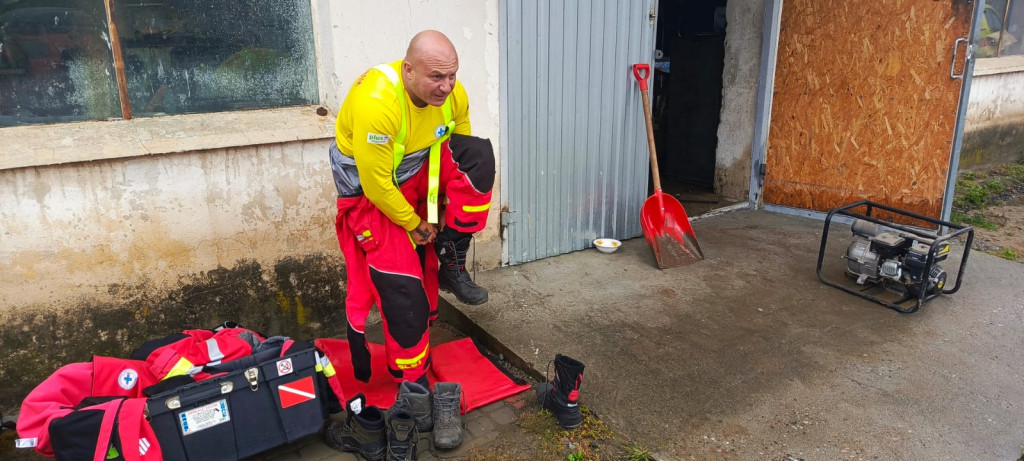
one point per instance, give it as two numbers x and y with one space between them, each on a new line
641 72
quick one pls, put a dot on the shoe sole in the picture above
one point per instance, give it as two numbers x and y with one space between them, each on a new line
461 300
377 456
346 447
447 447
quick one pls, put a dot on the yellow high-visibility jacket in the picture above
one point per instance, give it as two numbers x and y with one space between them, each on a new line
370 119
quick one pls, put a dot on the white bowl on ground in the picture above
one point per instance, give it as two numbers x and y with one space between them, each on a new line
605 245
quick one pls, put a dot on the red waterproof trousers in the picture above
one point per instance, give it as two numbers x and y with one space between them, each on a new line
383 266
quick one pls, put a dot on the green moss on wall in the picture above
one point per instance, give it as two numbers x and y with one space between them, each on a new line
299 297
992 146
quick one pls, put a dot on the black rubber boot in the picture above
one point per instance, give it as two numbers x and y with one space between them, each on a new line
560 396
451 247
363 431
402 436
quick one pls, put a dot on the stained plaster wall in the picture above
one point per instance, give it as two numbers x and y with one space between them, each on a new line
114 233
739 97
994 129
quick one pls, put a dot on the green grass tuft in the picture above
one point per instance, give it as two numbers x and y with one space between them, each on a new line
973 220
1014 173
638 453
971 195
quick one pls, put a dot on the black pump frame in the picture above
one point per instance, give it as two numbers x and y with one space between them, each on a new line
937 239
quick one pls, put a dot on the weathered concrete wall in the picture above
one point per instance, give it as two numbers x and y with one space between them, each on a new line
98 256
84 226
994 132
993 145
300 297
739 97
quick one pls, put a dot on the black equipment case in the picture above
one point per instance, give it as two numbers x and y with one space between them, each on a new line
264 401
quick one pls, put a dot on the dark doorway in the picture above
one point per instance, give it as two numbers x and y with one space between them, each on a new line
688 98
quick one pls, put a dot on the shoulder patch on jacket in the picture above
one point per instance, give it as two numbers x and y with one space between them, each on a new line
374 138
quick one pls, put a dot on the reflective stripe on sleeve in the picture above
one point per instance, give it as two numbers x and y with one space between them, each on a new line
213 351
181 368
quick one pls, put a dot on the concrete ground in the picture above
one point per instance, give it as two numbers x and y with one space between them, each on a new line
747 355
483 426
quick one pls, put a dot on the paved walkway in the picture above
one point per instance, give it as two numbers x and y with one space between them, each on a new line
483 426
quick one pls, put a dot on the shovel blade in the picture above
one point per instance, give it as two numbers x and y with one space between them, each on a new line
668 232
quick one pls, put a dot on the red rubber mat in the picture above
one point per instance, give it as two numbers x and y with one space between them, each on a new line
459 361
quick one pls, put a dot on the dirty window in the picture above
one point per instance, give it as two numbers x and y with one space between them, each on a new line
1002 27
185 56
180 56
55 62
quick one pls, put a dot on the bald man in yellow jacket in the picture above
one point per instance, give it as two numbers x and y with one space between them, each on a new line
404 154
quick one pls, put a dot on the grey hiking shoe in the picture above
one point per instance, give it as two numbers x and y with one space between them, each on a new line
402 436
447 415
362 431
414 398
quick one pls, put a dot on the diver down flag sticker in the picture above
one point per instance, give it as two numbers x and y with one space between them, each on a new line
296 392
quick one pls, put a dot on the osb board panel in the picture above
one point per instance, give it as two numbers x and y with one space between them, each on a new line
864 106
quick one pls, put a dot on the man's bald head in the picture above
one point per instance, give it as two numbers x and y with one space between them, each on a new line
429 68
430 43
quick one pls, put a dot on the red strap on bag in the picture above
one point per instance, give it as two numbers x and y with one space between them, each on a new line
138 441
106 427
285 346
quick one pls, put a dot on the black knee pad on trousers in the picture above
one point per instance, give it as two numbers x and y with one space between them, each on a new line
404 305
475 157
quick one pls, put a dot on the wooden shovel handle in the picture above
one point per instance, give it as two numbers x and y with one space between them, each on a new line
642 72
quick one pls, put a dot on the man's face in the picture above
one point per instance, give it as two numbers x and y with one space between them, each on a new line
430 79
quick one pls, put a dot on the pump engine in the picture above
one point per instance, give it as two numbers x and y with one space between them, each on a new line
880 254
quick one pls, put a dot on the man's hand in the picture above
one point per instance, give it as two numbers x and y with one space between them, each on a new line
423 233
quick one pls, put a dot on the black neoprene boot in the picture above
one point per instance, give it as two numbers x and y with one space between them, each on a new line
451 247
560 396
363 431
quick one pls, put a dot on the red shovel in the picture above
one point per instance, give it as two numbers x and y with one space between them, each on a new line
665 224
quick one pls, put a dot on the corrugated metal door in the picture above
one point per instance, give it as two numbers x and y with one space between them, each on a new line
574 151
865 106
